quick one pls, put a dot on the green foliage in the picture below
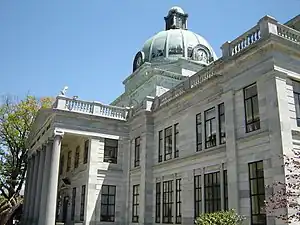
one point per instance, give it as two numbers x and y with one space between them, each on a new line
220 218
16 118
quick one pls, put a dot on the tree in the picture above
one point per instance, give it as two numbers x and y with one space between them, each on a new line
16 118
283 202
220 218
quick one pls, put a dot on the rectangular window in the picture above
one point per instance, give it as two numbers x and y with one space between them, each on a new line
210 128
168 201
61 165
157 202
73 203
69 161
168 143
252 119
135 203
160 145
197 196
212 192
76 160
257 193
108 203
86 151
110 150
199 132
222 132
296 87
137 144
176 141
178 201
225 190
82 203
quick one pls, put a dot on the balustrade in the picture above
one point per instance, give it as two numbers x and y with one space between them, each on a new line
288 33
92 108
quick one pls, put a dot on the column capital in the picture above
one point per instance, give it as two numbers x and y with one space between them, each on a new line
58 133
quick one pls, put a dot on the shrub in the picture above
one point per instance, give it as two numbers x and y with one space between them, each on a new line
220 218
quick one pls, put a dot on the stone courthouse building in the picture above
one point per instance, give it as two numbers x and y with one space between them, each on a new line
192 133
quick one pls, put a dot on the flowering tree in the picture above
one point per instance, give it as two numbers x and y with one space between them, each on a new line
283 202
16 118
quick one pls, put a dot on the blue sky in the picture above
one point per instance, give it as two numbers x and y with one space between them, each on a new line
90 45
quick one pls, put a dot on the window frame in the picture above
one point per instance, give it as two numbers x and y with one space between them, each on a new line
210 187
210 121
221 118
197 193
168 139
111 151
77 155
82 202
160 145
178 201
61 165
199 132
107 217
225 181
255 124
69 160
135 203
158 202
86 151
296 92
167 215
251 195
176 139
73 206
137 145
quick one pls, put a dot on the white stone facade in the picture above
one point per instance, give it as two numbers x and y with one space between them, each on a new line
268 55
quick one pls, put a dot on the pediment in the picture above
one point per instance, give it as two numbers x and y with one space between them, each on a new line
42 117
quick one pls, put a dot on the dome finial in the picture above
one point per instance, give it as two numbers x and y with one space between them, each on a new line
176 19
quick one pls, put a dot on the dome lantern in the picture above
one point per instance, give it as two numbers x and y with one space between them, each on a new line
176 19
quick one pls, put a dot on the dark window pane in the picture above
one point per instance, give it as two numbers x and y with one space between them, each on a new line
257 193
110 150
108 201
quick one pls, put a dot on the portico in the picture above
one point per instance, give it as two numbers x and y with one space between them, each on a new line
42 180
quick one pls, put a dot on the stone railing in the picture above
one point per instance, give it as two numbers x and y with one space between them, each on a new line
187 85
92 108
288 33
265 26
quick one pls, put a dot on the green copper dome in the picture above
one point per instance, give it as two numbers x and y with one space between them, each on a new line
175 42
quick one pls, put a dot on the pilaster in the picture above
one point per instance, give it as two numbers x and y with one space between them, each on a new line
280 134
146 185
231 151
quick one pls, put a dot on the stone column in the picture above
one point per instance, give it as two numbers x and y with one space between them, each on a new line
45 183
33 187
39 185
27 191
51 195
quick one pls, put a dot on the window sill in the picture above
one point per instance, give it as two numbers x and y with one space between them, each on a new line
250 135
135 169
